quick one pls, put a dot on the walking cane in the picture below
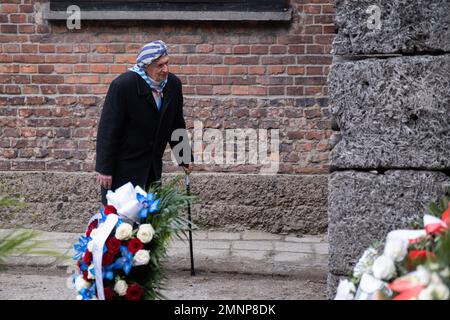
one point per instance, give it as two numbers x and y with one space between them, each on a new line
191 250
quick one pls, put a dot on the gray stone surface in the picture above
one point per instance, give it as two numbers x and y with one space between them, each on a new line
407 26
332 283
364 207
392 113
58 201
45 284
213 252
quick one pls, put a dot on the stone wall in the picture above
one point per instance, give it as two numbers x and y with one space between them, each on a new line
390 102
64 202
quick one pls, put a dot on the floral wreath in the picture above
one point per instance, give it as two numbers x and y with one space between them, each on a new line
414 264
118 258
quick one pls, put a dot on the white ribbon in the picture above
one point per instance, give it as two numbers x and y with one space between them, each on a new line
405 234
104 230
125 201
429 220
415 234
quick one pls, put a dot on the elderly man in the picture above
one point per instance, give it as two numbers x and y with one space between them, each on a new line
143 107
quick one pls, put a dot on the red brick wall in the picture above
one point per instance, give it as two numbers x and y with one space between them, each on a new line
235 75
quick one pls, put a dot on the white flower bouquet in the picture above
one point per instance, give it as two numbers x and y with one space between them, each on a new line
118 258
412 264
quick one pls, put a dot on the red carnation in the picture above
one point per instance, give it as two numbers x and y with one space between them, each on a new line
87 257
420 255
134 292
109 294
107 259
109 209
417 257
134 245
113 245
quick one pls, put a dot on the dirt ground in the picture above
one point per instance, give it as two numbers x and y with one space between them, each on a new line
33 284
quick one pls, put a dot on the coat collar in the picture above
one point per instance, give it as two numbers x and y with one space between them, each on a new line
143 89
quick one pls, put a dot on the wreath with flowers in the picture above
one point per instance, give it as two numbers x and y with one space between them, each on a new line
119 256
412 264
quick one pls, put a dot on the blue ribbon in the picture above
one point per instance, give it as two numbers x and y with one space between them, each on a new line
148 203
108 273
88 293
81 247
125 262
103 215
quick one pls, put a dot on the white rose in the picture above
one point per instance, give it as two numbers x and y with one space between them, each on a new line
81 284
124 231
445 273
145 233
345 290
383 268
422 275
396 249
440 291
79 297
141 258
121 287
369 286
365 262
434 292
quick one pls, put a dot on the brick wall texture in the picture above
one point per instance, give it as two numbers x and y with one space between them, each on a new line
53 82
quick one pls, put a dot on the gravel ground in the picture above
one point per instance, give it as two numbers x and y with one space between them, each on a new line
36 284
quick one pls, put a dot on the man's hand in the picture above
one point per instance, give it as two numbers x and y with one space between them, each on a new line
188 168
104 181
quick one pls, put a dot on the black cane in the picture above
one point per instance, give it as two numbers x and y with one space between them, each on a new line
191 250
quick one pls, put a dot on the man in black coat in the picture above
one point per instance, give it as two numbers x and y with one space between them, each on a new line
143 107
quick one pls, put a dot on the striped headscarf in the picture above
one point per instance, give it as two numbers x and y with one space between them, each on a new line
149 53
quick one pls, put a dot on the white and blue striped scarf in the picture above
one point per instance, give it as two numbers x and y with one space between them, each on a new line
150 52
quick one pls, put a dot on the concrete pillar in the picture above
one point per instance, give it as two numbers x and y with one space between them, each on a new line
390 102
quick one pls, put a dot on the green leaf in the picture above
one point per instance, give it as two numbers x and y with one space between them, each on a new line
434 209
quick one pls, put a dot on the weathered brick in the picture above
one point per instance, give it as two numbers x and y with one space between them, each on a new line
296 70
45 68
26 8
312 9
205 59
51 79
45 48
242 60
62 58
9 8
281 60
63 69
64 48
29 48
241 49
8 28
99 68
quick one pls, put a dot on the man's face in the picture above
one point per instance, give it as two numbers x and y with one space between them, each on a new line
158 70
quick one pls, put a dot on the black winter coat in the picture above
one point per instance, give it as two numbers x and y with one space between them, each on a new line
133 134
